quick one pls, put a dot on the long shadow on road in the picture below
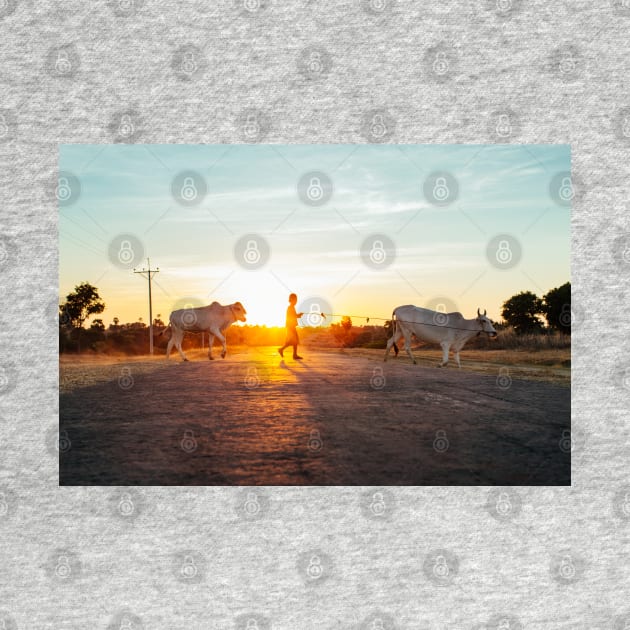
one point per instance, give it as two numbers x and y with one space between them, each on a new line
329 420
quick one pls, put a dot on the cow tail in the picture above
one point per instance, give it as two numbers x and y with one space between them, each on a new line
394 324
164 330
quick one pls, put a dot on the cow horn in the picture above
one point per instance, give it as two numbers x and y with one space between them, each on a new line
484 312
478 313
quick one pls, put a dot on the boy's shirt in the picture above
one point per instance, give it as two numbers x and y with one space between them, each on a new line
292 319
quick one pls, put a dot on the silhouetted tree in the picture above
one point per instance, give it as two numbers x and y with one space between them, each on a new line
80 304
521 312
557 308
98 324
341 331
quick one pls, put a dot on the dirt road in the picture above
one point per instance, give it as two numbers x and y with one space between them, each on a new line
336 418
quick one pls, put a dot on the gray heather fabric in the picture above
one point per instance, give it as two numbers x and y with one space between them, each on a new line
190 557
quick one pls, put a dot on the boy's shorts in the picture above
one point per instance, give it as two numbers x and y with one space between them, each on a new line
292 337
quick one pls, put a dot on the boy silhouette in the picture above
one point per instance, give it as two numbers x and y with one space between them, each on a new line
291 323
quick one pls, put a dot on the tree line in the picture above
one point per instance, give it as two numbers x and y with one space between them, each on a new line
524 313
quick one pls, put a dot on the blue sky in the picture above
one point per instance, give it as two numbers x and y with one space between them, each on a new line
440 252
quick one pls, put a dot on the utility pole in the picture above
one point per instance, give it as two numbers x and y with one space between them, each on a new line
149 274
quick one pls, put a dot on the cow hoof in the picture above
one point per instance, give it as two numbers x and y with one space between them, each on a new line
185 359
210 358
415 362
223 355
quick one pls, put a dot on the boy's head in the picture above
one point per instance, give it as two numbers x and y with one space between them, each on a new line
293 299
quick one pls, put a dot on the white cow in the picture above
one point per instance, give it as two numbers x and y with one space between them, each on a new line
213 319
449 330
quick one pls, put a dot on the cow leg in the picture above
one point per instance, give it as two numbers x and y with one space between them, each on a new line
210 342
408 348
221 338
176 339
446 346
392 342
178 336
